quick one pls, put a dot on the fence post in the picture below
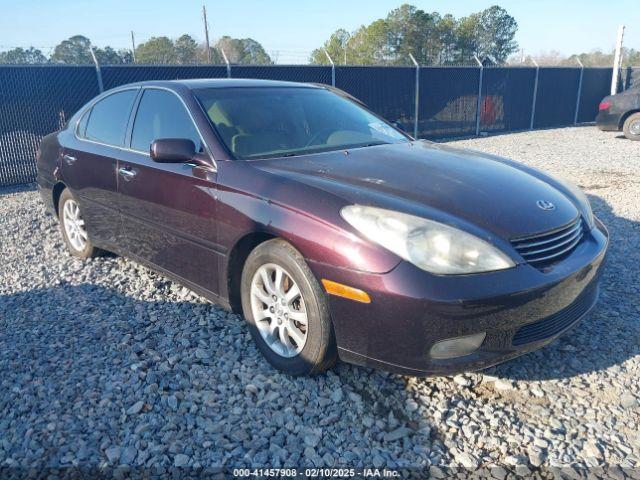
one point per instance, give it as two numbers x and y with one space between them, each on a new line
417 97
575 117
226 61
333 68
98 72
617 61
535 94
479 105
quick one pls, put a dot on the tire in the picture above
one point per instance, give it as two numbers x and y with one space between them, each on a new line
75 237
317 352
631 127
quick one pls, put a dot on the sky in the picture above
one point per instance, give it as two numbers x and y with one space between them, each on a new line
290 29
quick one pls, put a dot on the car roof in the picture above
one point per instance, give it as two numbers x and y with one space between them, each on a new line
200 83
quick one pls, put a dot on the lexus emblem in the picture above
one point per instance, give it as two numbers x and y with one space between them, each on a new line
545 205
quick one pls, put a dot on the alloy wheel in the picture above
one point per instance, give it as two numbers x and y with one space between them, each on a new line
279 310
74 225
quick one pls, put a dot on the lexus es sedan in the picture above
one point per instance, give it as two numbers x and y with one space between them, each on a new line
334 233
621 112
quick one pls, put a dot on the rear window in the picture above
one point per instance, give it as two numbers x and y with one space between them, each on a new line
266 122
107 121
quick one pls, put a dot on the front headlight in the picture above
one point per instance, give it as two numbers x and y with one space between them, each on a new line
432 246
585 205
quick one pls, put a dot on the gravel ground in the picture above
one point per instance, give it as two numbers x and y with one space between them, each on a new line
105 363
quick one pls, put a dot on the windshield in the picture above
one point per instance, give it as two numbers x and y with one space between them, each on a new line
275 122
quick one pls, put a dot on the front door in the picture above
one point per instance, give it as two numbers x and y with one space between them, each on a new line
168 210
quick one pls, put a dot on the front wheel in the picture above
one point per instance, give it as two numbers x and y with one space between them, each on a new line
631 127
286 310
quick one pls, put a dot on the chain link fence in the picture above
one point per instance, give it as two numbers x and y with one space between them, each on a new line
431 102
630 77
35 101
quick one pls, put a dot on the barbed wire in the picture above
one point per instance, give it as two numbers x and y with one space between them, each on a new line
293 56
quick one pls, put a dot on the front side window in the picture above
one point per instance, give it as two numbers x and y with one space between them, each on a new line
162 115
272 122
107 122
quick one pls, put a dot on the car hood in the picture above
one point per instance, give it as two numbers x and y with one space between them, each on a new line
459 187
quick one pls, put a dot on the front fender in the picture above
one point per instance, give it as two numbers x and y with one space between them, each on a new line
251 200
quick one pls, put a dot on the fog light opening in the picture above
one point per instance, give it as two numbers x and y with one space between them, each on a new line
457 347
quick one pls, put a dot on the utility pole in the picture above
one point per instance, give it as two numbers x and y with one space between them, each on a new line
206 33
133 46
617 60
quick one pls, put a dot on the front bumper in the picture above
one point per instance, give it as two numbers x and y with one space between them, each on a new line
520 309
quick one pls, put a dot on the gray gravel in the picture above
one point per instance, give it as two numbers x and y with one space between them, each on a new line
104 362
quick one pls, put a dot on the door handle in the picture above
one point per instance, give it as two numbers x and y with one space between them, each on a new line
127 173
69 159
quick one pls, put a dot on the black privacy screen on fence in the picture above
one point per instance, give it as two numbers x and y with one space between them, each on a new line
448 101
116 75
388 91
37 100
596 84
630 78
507 99
288 73
557 95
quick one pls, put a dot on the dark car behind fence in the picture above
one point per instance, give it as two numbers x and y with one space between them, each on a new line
435 102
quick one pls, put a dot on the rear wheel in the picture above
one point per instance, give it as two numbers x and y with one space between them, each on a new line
73 228
286 310
631 127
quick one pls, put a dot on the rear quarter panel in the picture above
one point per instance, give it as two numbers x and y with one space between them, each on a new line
48 168
625 104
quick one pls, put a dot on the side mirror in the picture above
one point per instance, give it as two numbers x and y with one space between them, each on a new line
172 150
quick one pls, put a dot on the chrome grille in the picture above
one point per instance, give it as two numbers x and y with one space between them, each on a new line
546 248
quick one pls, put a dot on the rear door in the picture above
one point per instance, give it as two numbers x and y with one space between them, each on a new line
89 163
169 209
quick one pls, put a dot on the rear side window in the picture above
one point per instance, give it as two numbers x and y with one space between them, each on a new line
82 125
108 119
162 115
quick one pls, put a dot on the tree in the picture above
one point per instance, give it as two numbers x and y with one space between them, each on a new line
159 50
109 56
496 32
429 37
254 53
337 47
466 38
216 55
446 28
370 45
23 56
243 51
412 31
74 50
186 50
366 46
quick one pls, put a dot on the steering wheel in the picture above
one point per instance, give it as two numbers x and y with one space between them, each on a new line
316 136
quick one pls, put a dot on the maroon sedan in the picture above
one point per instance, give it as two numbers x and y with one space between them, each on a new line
333 232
